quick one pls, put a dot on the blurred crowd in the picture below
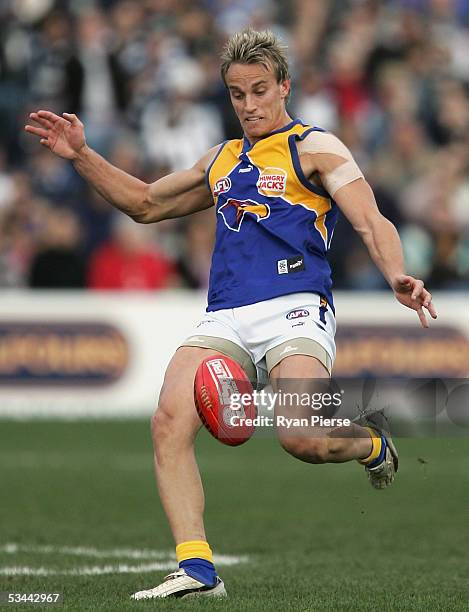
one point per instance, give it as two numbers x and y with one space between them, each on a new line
390 78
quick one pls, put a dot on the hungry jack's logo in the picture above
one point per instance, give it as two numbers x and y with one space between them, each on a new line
272 182
233 212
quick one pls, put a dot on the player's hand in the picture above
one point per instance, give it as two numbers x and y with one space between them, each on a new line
412 293
64 136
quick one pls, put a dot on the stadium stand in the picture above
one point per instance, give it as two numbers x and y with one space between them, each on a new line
389 78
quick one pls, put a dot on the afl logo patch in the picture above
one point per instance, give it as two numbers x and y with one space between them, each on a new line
222 186
272 182
296 314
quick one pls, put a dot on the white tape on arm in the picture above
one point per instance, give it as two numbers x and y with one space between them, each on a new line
323 142
341 176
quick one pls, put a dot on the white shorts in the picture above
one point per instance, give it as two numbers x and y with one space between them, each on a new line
303 322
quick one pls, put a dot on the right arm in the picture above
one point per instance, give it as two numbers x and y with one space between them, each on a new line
175 195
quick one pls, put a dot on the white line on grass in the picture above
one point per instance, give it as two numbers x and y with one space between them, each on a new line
97 570
83 551
121 568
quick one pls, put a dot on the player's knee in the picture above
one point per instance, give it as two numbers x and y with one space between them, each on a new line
311 450
163 425
173 428
166 444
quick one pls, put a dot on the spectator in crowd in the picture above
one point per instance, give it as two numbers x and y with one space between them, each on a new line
129 261
58 263
167 124
197 249
96 82
22 219
313 102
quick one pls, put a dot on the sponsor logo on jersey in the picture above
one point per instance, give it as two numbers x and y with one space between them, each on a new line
272 182
296 314
233 212
282 266
294 264
222 186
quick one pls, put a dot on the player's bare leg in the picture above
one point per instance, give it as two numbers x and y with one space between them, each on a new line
174 429
297 373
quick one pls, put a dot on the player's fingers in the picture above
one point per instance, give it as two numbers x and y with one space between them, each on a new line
48 115
426 298
432 310
36 131
45 142
417 289
72 118
41 120
422 317
404 279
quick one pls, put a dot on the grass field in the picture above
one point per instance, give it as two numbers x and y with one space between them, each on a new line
78 503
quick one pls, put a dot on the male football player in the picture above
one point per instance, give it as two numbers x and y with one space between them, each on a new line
276 193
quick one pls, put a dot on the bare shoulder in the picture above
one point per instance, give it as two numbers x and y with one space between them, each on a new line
323 142
325 160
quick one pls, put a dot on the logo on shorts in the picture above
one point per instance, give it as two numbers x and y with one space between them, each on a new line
296 314
204 322
222 186
289 349
272 182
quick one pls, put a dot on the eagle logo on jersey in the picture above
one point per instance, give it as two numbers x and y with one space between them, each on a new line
233 212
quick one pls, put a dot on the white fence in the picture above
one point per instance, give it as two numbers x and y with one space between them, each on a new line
104 354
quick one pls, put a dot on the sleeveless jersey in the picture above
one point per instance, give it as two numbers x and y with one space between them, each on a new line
274 227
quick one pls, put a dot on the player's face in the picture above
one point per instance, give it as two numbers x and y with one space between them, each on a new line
257 98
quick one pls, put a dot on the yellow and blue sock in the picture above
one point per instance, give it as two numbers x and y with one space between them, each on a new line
196 558
378 449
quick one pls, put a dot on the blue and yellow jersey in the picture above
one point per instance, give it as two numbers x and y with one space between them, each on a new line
274 227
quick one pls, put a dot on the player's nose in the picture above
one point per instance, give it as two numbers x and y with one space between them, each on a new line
250 104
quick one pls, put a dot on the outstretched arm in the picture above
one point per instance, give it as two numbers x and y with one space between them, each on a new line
175 195
325 155
357 202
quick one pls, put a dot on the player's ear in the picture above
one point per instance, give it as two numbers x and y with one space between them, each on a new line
285 87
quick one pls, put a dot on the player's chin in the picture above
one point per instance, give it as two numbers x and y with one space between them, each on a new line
255 128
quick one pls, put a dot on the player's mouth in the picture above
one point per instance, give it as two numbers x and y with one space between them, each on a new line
253 119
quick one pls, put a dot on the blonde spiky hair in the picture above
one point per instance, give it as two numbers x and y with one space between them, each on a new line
253 47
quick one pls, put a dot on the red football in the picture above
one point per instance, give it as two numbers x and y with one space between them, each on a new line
224 400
